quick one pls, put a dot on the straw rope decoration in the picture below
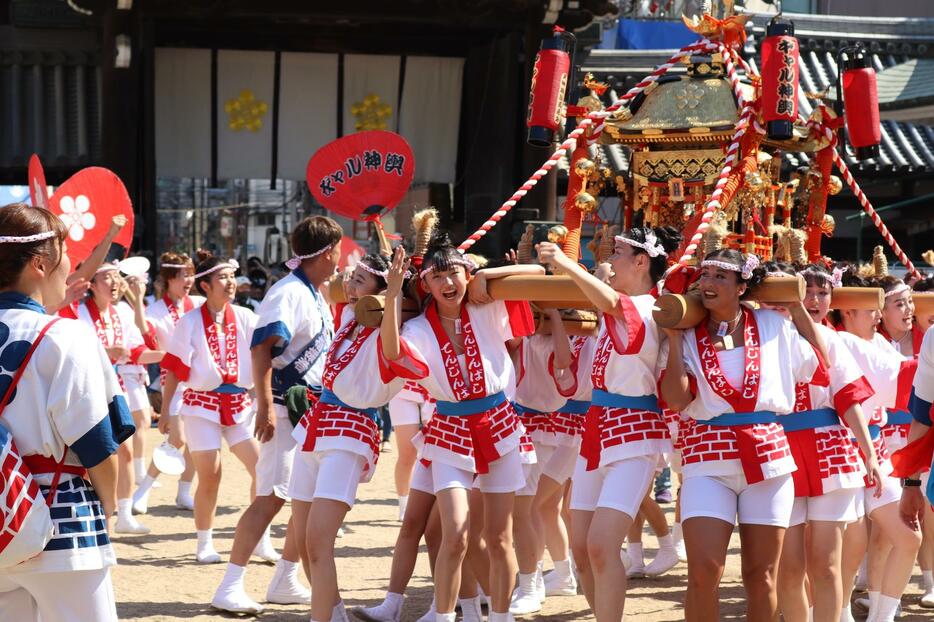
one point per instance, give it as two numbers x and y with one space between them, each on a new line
864 200
569 143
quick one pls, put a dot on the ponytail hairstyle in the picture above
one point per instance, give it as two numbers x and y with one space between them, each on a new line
206 260
658 243
747 267
441 255
19 220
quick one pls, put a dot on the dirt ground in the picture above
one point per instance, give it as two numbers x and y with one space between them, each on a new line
158 578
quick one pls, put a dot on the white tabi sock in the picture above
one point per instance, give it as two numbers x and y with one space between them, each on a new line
233 578
125 508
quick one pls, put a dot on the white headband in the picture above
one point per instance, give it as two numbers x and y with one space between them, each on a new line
175 266
469 266
745 270
836 277
380 273
651 244
107 267
296 260
230 263
899 289
26 239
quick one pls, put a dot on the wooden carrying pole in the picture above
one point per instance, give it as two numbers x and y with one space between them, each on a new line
687 311
859 298
577 324
924 303
369 310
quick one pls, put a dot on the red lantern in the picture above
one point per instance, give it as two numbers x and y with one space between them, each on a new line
549 86
861 102
780 52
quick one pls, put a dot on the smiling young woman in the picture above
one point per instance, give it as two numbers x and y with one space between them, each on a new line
714 376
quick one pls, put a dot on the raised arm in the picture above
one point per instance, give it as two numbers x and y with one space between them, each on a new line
392 313
604 297
90 265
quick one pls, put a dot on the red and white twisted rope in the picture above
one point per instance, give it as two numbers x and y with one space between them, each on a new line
864 200
747 116
570 142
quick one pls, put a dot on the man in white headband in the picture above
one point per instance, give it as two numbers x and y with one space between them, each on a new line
292 337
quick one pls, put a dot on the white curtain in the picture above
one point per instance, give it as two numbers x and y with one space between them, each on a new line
364 75
307 109
183 112
246 78
429 117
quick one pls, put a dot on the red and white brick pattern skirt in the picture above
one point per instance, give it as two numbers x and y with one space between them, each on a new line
337 427
713 450
447 438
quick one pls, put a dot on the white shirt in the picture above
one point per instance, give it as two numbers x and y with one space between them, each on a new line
634 374
189 346
786 359
533 390
364 382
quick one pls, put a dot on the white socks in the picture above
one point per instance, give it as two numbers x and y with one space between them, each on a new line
563 567
635 554
666 542
403 503
205 553
139 468
845 614
884 609
500 617
184 488
145 483
446 617
233 578
470 609
125 509
927 578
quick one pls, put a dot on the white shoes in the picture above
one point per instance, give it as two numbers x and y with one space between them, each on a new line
207 555
665 560
558 585
927 599
528 597
285 587
129 525
184 502
265 550
236 601
383 612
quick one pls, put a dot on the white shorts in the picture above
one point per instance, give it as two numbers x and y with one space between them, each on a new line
421 479
768 502
505 475
328 474
891 493
136 396
407 412
204 435
838 506
585 487
532 473
560 464
58 596
620 485
274 467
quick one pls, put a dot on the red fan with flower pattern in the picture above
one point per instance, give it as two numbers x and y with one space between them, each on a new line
86 203
361 176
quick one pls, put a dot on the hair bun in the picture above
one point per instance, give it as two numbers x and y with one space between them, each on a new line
669 237
202 255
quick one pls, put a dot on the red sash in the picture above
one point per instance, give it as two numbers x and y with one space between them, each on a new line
229 368
336 364
741 401
101 328
187 305
479 424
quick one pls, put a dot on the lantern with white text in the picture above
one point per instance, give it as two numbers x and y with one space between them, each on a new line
780 79
549 87
861 102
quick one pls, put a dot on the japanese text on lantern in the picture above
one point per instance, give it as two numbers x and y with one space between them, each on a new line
370 160
785 103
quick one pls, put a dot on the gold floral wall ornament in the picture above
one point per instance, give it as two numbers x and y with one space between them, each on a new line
245 112
371 113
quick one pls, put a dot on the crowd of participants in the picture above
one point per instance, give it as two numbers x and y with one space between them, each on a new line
514 437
